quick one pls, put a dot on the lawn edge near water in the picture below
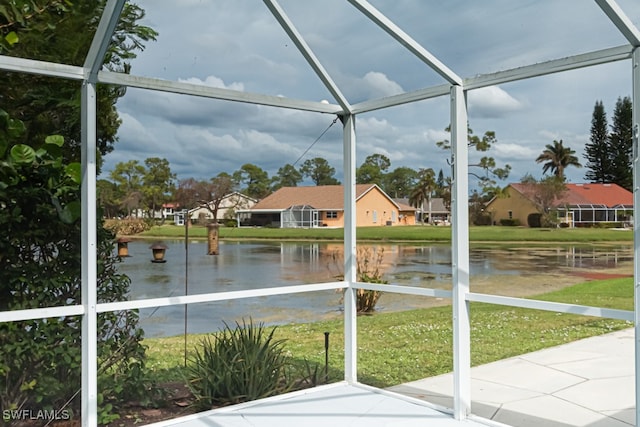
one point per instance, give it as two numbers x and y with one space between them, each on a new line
399 347
416 233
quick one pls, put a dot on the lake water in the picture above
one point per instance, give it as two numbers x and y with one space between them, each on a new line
253 265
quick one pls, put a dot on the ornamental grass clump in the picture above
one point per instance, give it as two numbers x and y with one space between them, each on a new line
368 270
238 365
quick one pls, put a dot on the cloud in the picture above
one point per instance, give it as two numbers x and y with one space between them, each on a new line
513 152
379 85
239 46
492 102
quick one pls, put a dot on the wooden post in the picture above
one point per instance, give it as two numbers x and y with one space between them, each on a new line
212 237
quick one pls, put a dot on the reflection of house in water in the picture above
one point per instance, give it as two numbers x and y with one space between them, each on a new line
323 206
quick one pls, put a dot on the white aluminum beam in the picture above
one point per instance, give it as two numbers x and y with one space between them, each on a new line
89 258
405 290
407 41
401 99
621 21
40 313
109 77
308 54
557 307
550 67
521 73
216 296
102 37
41 68
350 251
460 258
635 119
590 59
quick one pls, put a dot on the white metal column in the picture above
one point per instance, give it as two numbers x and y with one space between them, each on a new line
350 314
460 261
89 259
635 61
92 65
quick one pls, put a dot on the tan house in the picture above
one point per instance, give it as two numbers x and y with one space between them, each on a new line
323 206
581 205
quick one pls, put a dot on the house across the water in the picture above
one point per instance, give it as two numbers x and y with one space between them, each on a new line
323 206
581 205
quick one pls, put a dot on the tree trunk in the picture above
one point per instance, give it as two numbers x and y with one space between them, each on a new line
212 237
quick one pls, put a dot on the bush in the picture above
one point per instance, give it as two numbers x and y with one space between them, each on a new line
238 365
482 219
230 223
534 220
127 227
510 222
368 271
40 266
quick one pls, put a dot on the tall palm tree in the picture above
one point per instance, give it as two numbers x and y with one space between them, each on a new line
423 190
557 158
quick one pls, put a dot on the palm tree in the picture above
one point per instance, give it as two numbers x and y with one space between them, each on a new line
557 158
423 190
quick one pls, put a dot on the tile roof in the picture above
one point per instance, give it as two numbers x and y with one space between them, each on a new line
603 194
609 195
323 197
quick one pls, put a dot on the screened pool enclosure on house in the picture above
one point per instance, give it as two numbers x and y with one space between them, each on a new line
616 41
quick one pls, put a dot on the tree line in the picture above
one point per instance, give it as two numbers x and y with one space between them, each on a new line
133 187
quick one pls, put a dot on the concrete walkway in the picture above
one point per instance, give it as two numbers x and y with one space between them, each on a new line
584 383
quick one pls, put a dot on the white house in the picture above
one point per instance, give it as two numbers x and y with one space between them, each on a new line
231 203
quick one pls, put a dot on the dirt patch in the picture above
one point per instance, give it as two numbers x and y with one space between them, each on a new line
594 275
177 404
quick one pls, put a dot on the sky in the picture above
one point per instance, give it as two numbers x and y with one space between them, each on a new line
237 44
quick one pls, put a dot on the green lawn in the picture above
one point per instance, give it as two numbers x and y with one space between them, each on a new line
405 233
398 347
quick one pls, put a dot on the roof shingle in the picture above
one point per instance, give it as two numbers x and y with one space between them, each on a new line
323 197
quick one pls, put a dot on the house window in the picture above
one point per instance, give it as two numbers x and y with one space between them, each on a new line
510 214
331 215
375 216
393 216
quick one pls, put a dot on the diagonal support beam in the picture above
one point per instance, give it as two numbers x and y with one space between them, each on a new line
413 46
308 54
620 20
102 37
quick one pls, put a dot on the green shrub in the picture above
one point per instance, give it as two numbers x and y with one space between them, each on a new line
128 227
514 222
230 223
238 365
40 266
534 220
482 219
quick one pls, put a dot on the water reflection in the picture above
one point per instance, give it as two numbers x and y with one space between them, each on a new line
253 265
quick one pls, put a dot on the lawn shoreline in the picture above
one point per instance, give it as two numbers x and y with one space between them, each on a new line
405 234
